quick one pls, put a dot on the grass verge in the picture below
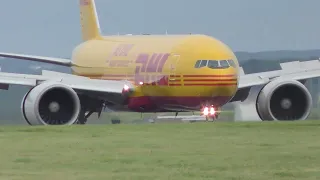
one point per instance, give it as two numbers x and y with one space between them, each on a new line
221 150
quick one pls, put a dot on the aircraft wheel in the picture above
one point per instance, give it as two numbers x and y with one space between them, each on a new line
115 121
212 118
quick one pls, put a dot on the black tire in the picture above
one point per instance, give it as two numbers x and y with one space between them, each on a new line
115 121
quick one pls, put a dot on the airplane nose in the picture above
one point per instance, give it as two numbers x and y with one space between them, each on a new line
226 85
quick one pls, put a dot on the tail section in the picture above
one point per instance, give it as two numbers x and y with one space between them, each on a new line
89 20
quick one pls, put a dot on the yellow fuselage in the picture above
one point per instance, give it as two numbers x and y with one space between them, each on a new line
162 69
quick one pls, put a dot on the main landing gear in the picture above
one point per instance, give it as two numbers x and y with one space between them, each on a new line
83 117
88 107
211 113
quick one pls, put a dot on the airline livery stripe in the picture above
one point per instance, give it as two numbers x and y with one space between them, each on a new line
226 75
174 82
177 76
198 83
208 80
212 85
229 84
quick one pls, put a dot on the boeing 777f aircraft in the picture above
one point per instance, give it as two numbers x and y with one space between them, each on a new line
154 73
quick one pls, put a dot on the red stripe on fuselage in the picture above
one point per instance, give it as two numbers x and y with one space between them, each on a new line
175 76
208 80
225 75
123 75
219 84
176 82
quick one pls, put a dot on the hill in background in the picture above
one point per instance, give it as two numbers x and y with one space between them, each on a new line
279 55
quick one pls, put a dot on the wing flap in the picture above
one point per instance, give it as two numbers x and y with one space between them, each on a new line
19 79
85 83
51 60
75 82
252 81
303 75
102 86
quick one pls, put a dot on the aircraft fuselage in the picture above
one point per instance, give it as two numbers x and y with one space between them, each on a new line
162 68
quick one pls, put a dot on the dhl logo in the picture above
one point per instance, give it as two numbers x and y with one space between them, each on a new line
152 64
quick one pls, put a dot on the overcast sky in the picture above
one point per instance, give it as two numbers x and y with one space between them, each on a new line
52 28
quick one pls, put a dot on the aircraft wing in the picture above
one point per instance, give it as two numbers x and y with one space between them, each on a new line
295 70
80 84
292 70
51 60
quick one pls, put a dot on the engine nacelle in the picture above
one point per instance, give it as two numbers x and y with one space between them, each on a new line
284 100
51 103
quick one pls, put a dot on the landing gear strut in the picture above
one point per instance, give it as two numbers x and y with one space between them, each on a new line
83 117
88 107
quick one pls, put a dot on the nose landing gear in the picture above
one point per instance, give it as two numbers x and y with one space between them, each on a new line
211 113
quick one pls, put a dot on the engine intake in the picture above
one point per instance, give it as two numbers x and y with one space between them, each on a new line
284 100
51 103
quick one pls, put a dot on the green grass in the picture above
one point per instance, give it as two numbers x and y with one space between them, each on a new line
221 150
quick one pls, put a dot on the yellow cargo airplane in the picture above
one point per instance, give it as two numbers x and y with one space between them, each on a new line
153 73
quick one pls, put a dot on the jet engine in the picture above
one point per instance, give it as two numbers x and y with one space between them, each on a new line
51 103
284 100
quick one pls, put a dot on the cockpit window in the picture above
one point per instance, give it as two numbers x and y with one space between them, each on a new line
203 63
197 64
231 62
224 64
213 64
